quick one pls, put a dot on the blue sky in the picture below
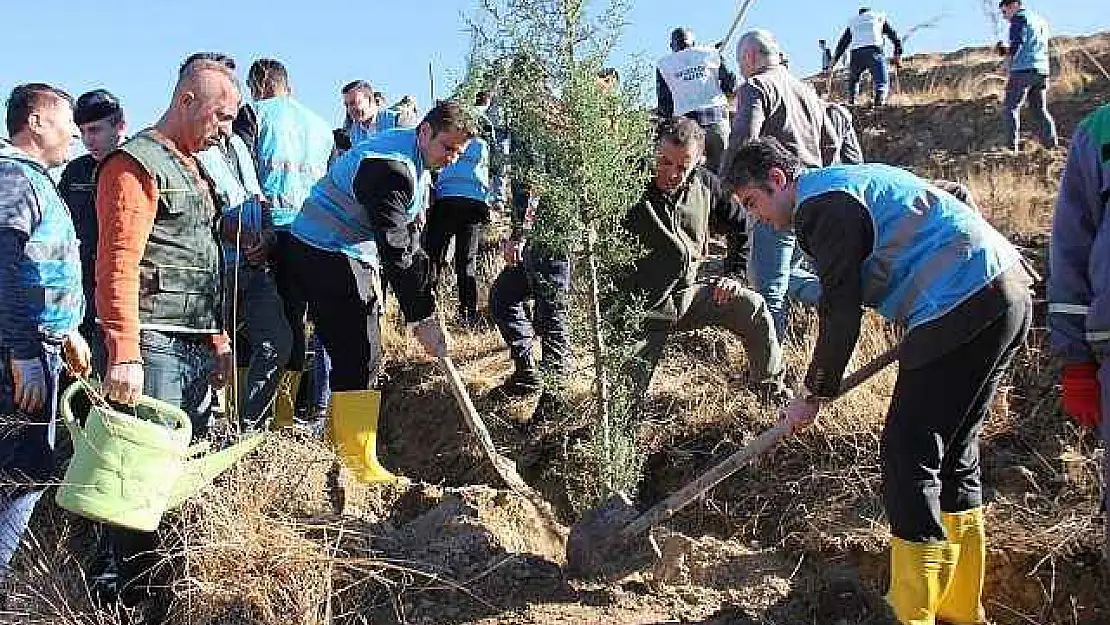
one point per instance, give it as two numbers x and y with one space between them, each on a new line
133 47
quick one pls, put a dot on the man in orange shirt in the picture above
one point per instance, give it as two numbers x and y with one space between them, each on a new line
158 278
158 263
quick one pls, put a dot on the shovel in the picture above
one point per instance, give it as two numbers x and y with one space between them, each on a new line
602 543
506 468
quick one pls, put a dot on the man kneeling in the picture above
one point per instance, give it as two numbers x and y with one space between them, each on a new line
672 221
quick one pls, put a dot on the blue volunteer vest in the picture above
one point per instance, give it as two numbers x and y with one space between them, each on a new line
236 186
333 220
469 175
50 269
292 149
386 119
931 252
1033 53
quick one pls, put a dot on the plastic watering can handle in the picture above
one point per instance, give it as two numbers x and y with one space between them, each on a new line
91 389
75 430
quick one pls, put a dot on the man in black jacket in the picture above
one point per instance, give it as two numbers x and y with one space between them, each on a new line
99 116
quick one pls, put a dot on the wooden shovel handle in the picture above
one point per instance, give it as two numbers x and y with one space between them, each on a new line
681 498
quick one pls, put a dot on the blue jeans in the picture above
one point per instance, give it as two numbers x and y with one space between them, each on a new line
1035 85
545 280
270 340
867 59
776 268
27 454
175 370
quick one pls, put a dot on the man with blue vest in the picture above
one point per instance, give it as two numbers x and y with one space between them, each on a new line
1027 58
100 119
694 82
462 198
353 226
292 147
883 238
365 115
1079 280
42 304
247 228
864 35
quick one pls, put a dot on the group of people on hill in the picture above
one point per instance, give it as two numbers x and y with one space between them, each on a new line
226 217
1026 54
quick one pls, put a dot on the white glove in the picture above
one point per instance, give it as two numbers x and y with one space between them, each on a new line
29 381
77 355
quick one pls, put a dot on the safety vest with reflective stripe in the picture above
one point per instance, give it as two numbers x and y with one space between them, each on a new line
694 77
469 175
332 219
386 119
931 252
1033 52
292 148
236 186
50 268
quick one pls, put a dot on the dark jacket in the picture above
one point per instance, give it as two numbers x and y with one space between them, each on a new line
77 187
674 231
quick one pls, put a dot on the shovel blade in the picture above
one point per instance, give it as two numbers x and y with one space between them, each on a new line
596 546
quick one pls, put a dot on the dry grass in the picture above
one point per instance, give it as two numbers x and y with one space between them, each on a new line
1014 201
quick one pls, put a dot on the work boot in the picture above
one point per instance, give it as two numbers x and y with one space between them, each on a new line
920 576
354 432
963 603
524 380
551 407
285 399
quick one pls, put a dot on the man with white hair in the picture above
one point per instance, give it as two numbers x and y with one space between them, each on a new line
773 103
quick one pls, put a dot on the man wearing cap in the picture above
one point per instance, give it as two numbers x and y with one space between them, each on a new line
693 82
100 119
42 303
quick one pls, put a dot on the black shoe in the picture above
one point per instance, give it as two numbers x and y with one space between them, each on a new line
524 381
551 408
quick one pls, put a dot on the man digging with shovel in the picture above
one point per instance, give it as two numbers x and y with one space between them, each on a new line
884 238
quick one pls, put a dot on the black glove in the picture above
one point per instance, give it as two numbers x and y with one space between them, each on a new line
1001 49
342 138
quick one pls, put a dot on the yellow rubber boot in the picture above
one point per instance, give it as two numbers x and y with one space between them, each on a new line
920 574
963 603
285 400
353 424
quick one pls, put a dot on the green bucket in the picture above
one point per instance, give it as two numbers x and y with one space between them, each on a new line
128 469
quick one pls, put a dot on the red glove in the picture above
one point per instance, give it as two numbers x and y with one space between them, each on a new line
1081 393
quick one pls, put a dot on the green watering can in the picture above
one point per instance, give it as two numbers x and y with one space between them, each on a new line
128 469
